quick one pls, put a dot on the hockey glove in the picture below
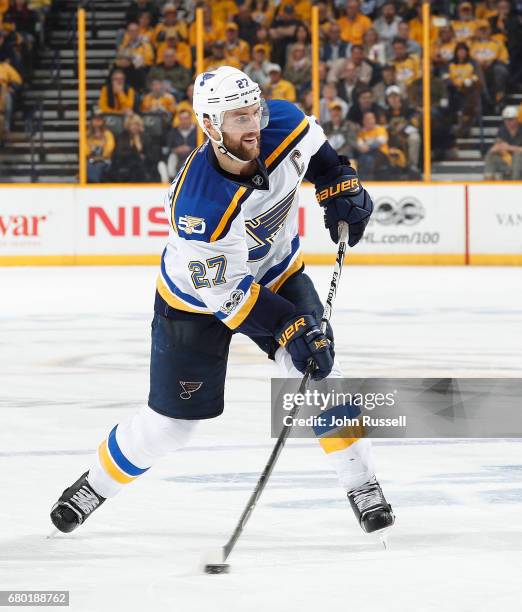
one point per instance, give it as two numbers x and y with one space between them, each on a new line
344 199
303 339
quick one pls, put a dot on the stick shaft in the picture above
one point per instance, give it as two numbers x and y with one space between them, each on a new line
285 432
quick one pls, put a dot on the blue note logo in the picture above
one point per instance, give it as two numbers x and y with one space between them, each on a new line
189 388
265 227
205 77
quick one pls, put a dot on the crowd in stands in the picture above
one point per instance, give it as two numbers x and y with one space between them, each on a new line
371 94
21 34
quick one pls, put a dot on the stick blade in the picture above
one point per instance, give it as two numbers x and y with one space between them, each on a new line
214 562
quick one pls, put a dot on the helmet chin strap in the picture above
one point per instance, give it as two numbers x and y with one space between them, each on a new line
221 147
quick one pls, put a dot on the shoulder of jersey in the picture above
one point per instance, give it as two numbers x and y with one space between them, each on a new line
287 126
203 203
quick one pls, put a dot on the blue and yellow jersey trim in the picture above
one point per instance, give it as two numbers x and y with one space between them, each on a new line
204 203
288 125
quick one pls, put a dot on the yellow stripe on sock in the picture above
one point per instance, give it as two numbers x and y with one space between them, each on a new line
110 467
344 438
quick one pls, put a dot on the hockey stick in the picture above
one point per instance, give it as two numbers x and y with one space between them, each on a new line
220 567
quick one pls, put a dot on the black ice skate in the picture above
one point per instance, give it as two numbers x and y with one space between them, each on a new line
75 505
370 507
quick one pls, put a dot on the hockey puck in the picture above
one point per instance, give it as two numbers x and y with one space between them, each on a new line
217 568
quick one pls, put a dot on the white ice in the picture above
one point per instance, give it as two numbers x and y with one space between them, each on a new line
74 346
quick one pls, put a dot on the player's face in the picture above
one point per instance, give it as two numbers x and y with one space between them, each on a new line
242 132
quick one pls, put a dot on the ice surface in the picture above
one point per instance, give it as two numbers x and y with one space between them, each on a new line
74 360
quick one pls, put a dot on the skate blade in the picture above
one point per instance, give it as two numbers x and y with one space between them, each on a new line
383 536
53 534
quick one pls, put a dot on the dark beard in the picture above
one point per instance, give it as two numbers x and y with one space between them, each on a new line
239 151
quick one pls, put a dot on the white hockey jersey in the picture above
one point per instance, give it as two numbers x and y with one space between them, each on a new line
226 239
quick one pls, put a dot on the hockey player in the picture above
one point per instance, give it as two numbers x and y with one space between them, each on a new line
232 264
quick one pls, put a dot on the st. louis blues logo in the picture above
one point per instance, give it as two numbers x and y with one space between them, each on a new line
189 388
205 77
265 227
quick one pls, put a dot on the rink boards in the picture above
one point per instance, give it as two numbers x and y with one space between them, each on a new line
119 224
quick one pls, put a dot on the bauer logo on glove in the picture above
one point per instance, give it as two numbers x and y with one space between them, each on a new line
350 186
343 198
288 333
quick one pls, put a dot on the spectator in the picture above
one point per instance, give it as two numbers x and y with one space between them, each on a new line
262 12
183 52
486 9
443 49
219 57
235 47
372 147
464 88
8 51
132 160
492 57
442 140
299 68
247 25
213 29
257 69
403 128
416 26
464 26
514 44
499 21
334 47
329 97
138 7
365 103
282 32
185 105
141 51
278 88
374 49
146 29
348 84
117 96
100 146
133 77
389 77
223 11
363 68
387 25
326 17
180 142
175 77
412 47
158 100
306 102
370 8
407 67
341 133
170 25
504 159
354 24
262 38
24 20
10 85
302 37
